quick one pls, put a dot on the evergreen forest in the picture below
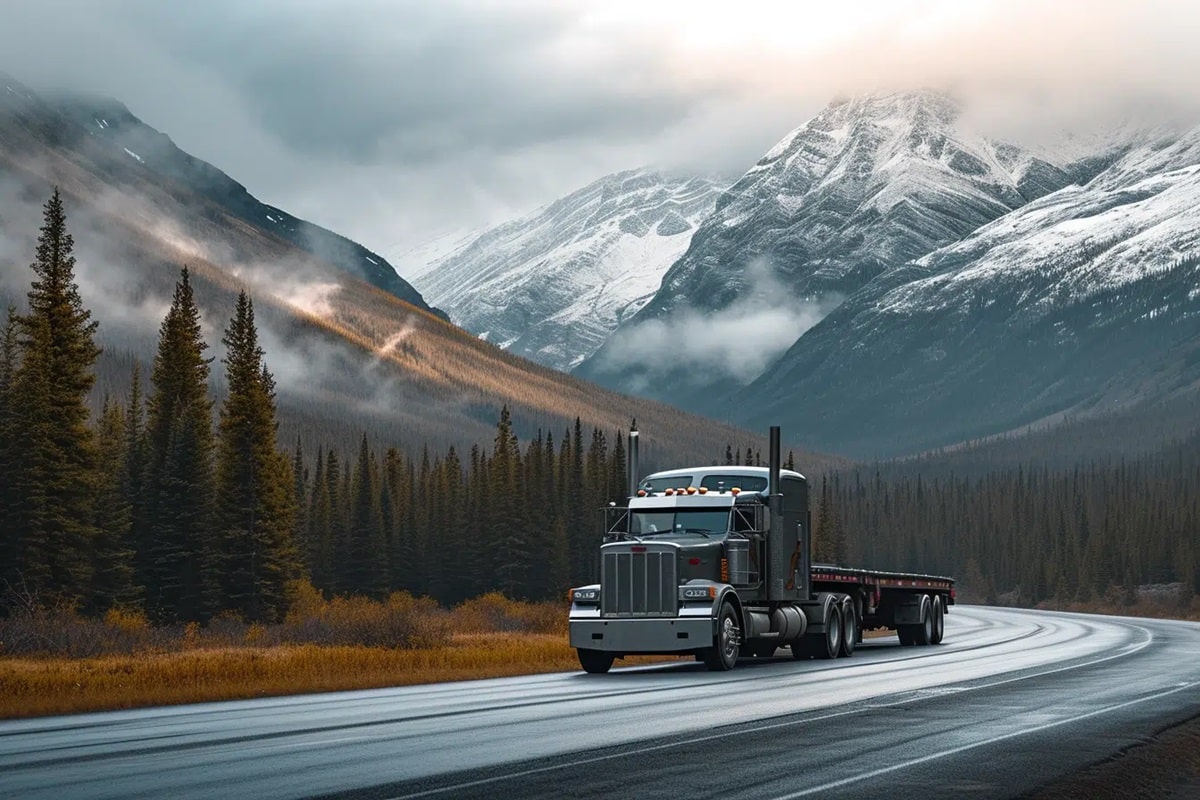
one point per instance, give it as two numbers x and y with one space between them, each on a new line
187 506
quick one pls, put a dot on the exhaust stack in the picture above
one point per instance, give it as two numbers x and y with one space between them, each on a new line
633 462
779 544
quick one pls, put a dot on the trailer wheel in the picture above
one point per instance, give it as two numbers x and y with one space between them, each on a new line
939 620
723 654
905 632
849 629
923 633
595 661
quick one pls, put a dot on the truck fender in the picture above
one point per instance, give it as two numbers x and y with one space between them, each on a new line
911 608
816 611
724 592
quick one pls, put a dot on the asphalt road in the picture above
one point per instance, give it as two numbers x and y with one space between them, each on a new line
1011 700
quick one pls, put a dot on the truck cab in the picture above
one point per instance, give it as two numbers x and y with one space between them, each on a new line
716 562
688 543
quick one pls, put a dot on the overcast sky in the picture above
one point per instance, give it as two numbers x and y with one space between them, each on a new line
394 122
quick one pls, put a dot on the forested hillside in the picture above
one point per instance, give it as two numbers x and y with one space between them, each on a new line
1028 533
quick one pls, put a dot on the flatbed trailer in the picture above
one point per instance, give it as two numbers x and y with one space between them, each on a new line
716 562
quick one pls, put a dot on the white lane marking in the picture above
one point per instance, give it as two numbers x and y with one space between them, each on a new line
875 773
1126 651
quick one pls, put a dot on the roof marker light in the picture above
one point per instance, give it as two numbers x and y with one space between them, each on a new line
691 490
703 490
668 492
641 493
735 490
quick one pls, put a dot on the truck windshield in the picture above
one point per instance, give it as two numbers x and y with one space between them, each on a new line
703 522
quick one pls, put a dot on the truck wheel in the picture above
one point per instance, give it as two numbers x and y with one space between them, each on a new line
923 633
825 645
723 654
907 637
595 661
849 629
939 620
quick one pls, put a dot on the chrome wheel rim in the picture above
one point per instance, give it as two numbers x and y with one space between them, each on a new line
729 638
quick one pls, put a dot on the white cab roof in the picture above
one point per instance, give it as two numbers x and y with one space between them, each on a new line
697 474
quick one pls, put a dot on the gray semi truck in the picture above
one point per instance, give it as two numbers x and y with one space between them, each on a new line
716 562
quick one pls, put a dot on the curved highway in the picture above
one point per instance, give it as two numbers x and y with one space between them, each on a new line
1010 701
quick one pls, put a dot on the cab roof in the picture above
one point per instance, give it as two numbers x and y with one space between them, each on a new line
697 474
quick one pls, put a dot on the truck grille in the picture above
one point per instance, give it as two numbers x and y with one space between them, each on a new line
638 584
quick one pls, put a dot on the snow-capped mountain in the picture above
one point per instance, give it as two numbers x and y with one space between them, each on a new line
107 124
552 286
1085 300
865 186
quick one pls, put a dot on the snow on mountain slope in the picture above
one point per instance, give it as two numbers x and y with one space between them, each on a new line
104 121
866 185
552 286
1083 300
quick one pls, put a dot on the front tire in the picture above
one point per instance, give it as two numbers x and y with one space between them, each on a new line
595 662
723 655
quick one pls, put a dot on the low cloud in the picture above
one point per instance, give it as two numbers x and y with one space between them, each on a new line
736 342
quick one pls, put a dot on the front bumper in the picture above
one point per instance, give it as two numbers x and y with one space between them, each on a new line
637 636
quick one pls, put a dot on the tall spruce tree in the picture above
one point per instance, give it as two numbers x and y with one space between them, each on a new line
51 521
133 473
254 482
508 521
112 556
8 450
365 554
300 522
320 529
179 546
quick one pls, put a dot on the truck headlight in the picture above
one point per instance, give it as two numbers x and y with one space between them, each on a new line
585 595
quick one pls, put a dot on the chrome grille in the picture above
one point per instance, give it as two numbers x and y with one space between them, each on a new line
641 584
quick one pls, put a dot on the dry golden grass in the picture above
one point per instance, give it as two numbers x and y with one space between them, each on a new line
41 686
52 661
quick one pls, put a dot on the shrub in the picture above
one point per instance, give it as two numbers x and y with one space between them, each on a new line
400 621
495 613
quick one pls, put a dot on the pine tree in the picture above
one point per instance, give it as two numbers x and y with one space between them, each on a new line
133 477
8 452
180 545
300 522
254 483
366 554
112 582
51 522
320 529
508 519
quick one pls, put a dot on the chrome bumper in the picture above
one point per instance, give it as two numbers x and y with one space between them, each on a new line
631 636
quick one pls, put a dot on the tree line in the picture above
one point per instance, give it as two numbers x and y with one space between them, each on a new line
151 505
174 502
1028 534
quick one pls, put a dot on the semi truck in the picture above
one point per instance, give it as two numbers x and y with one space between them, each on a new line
716 562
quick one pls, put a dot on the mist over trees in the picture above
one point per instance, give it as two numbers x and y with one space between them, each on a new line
187 506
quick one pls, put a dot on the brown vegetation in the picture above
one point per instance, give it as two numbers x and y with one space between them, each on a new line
56 662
